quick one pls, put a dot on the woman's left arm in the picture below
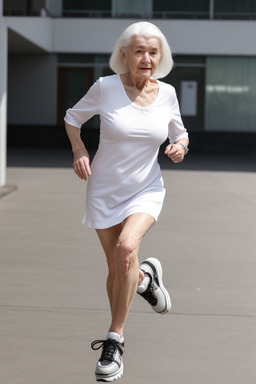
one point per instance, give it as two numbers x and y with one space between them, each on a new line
177 151
177 135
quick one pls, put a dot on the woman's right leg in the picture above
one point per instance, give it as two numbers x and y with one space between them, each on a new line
121 245
109 238
110 365
124 274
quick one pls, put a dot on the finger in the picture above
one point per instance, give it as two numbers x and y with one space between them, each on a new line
80 171
85 170
173 153
82 168
83 173
79 174
167 149
177 158
88 169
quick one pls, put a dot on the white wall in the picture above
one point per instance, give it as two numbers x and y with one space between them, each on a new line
202 37
32 89
185 36
38 30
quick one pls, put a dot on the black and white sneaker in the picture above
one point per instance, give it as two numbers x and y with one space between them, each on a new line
110 365
155 294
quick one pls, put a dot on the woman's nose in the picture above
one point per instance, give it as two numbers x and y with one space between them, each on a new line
146 58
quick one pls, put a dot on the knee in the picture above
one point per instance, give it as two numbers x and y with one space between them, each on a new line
126 256
125 247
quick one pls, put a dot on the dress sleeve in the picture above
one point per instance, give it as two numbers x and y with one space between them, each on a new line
177 130
87 107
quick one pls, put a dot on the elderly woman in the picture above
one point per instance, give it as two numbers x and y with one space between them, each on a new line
125 190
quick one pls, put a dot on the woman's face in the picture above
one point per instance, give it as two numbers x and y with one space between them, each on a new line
142 56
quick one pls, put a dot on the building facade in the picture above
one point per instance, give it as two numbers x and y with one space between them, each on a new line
56 49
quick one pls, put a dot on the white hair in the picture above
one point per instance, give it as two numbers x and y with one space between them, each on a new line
144 29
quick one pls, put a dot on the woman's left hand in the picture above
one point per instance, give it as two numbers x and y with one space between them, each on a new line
175 152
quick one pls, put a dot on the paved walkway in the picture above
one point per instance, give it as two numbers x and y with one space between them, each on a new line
52 278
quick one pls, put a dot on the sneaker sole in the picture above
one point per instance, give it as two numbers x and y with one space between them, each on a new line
157 266
108 378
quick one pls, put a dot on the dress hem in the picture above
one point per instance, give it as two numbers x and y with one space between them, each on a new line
155 217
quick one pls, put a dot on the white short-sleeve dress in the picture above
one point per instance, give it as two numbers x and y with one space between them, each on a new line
126 177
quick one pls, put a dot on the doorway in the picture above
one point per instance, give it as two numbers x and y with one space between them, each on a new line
73 83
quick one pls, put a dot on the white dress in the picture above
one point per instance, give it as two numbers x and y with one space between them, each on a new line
126 177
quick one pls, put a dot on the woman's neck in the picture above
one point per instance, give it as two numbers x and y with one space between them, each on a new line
137 83
140 93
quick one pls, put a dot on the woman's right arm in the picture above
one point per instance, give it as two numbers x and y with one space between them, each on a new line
81 163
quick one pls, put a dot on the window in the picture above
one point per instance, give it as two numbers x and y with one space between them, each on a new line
87 8
23 7
181 9
234 9
230 94
132 8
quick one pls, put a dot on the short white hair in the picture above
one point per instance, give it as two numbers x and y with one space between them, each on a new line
148 30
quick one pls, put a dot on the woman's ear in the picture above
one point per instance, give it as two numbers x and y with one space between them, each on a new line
123 56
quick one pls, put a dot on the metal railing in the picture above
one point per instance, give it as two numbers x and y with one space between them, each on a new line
86 13
235 15
180 15
48 8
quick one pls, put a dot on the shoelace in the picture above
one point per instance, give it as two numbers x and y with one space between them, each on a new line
109 348
149 295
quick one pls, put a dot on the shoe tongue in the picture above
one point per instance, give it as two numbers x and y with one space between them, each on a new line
113 336
145 283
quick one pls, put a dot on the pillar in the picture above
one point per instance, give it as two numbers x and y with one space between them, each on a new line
3 95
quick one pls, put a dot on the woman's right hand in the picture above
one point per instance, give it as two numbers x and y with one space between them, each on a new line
81 163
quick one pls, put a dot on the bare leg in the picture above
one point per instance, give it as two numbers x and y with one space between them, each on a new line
121 245
108 238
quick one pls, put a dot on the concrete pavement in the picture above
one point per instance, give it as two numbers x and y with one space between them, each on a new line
52 278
